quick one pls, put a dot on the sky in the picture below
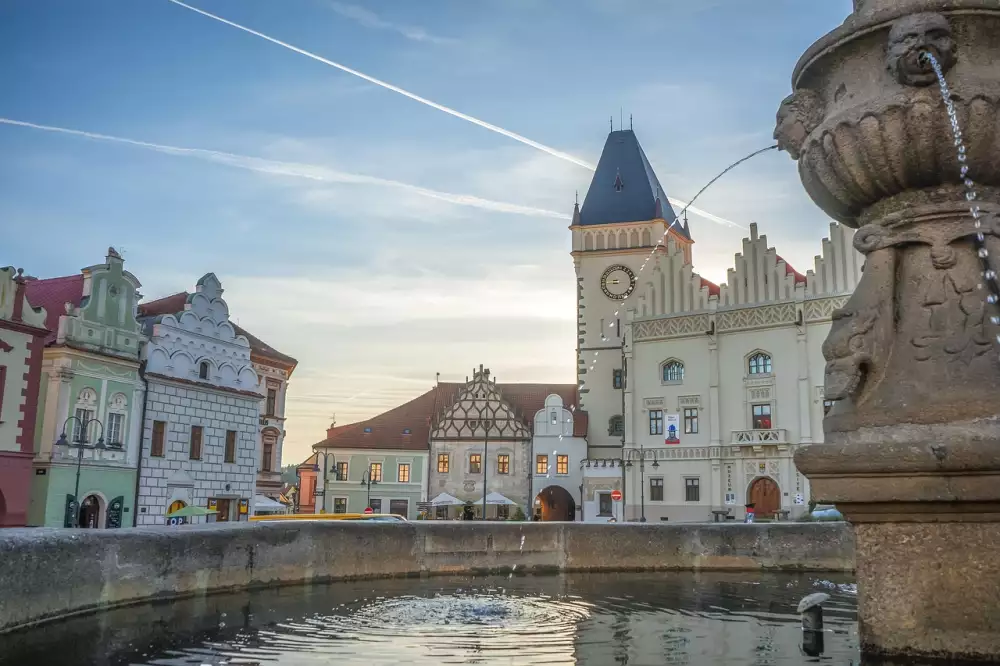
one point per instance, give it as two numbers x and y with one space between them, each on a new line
378 239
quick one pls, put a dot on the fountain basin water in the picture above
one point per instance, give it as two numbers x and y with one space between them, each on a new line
599 619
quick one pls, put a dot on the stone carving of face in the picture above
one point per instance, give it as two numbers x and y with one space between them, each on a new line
912 35
799 114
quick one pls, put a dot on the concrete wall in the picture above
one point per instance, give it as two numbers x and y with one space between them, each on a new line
51 573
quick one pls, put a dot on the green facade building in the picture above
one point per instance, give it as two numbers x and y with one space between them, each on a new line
92 393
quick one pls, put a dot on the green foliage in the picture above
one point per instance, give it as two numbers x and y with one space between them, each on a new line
288 474
518 515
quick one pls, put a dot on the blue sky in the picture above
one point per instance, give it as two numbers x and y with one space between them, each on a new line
372 286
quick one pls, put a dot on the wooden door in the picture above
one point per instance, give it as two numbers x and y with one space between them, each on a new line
224 510
765 497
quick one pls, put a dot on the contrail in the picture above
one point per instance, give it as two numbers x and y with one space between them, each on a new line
440 107
300 170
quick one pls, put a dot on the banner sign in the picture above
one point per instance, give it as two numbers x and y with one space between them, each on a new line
673 428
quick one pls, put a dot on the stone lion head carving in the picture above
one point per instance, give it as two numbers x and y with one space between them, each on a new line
913 35
799 114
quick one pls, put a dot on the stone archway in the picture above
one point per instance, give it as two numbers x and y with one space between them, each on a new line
765 495
91 512
555 503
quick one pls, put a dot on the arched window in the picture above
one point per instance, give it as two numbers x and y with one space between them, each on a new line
203 370
673 372
760 364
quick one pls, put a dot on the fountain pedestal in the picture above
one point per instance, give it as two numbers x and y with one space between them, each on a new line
912 445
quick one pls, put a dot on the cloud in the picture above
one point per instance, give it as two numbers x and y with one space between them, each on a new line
370 19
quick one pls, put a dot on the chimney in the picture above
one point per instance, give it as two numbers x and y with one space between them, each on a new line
329 431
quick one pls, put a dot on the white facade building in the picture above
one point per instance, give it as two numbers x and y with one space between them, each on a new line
200 434
737 369
557 473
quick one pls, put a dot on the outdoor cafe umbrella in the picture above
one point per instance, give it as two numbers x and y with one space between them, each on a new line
444 499
495 498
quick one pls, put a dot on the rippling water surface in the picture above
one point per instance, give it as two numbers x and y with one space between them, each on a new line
603 620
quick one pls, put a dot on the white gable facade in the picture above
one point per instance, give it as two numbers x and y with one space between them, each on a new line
200 435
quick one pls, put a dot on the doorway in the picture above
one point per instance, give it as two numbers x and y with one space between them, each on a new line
90 512
765 496
468 513
224 507
555 503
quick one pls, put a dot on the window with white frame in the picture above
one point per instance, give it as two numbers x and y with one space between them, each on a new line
673 372
115 426
86 407
759 364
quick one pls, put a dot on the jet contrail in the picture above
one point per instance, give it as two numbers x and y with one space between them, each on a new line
440 107
300 170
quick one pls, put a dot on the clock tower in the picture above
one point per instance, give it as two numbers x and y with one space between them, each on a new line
623 218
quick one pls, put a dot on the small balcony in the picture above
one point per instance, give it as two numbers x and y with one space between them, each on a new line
759 437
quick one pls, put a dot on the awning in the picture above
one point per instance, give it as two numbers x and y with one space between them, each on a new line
494 498
262 503
191 512
444 499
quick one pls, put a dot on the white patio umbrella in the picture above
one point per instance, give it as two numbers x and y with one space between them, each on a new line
444 499
494 498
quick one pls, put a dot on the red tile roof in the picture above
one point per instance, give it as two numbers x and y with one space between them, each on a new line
387 430
789 270
713 289
175 303
53 294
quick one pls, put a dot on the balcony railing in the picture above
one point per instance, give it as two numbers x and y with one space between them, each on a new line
759 437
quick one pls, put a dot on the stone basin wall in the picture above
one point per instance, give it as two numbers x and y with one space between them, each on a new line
46 573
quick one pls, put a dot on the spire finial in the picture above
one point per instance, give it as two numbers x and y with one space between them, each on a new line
630 121
612 123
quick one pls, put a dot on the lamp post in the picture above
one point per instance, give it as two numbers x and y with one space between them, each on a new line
367 480
640 454
80 443
316 468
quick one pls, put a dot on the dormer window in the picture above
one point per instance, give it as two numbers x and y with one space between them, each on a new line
619 185
203 370
406 431
368 430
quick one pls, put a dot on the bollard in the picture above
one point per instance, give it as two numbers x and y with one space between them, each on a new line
811 610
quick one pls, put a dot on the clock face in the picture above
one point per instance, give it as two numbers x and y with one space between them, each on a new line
618 282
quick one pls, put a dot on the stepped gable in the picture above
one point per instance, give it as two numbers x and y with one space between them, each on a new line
625 188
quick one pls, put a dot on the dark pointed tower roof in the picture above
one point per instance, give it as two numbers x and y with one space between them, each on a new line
624 188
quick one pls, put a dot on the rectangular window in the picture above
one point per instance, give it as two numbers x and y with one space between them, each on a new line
692 489
399 507
195 451
82 416
562 464
616 379
616 426
443 463
475 463
604 504
115 423
272 401
441 512
503 511
656 422
375 471
691 421
376 505
230 446
656 490
827 406
541 464
503 464
403 474
341 471
159 431
340 505
762 417
267 456
554 418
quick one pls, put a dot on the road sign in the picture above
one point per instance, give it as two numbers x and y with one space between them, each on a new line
369 510
616 495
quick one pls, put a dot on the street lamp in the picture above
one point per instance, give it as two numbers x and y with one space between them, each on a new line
326 468
367 480
630 454
80 443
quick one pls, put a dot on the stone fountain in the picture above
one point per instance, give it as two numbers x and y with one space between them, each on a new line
912 448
